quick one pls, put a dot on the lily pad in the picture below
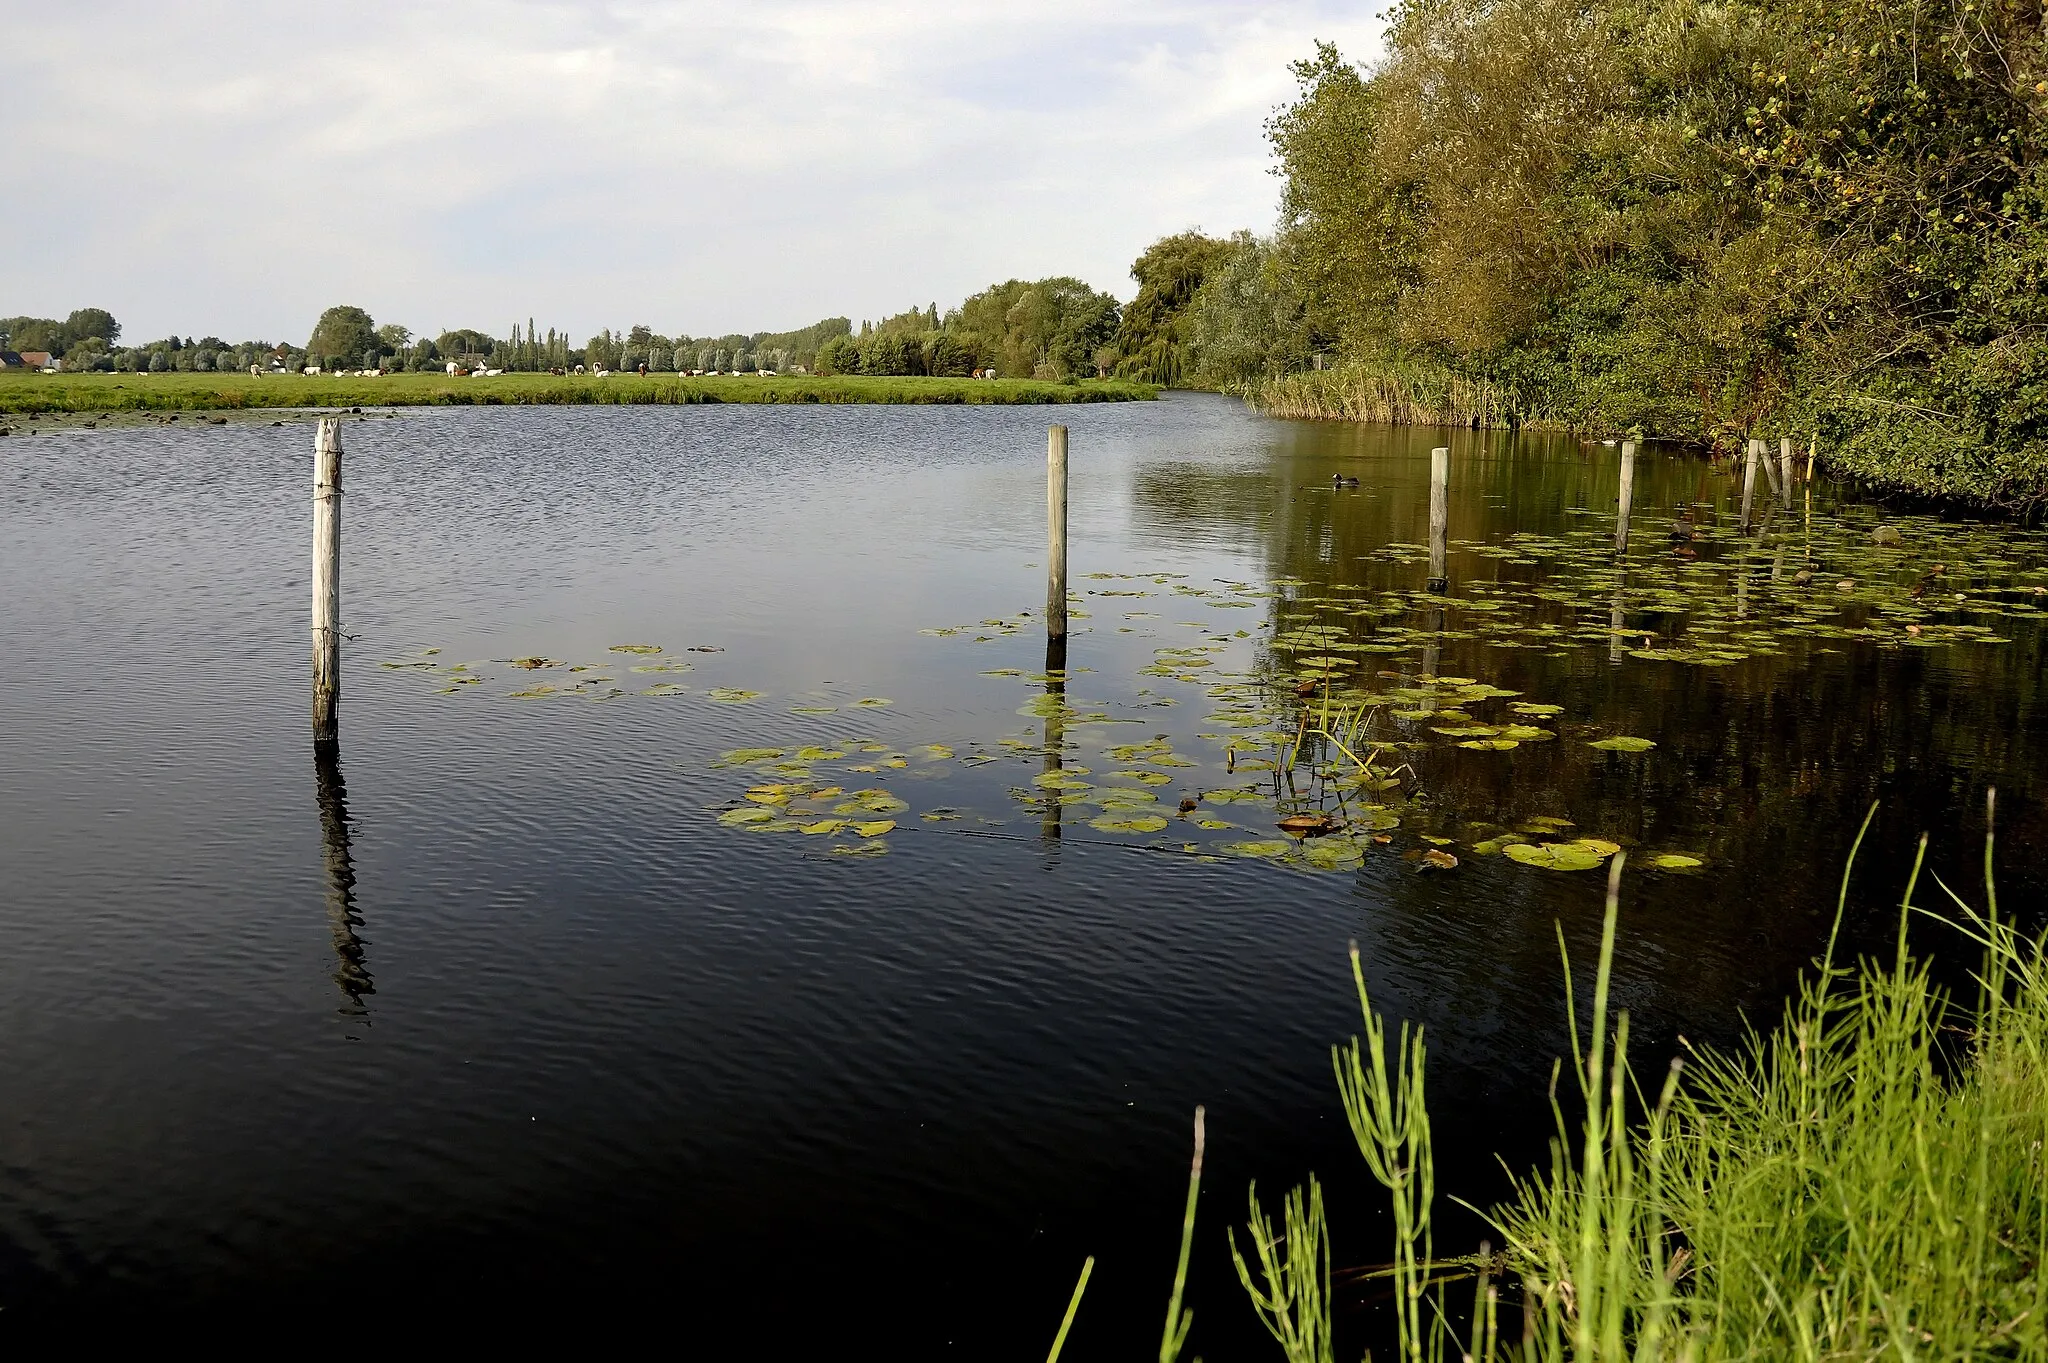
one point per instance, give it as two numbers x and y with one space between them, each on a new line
1621 743
1555 856
1275 847
1676 861
873 828
666 689
1490 744
748 814
1112 822
745 757
732 695
636 648
872 702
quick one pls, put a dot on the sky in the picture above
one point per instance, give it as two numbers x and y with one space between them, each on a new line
232 169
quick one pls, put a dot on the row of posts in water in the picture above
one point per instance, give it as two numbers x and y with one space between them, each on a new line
327 542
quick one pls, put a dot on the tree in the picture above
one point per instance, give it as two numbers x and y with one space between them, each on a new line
87 322
838 355
393 338
1152 333
343 331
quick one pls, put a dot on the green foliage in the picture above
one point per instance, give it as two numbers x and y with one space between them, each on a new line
1704 220
1152 339
61 338
344 333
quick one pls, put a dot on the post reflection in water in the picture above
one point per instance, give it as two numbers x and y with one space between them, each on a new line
352 973
1055 733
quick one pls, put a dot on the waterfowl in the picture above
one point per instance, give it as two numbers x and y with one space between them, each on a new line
1339 480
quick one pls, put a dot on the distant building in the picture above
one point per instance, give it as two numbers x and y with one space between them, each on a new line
36 359
11 359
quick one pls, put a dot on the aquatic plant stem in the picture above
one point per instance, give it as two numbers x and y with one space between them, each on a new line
1178 1321
1059 1341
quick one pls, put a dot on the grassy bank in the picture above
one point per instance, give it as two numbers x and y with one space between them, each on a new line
1396 393
33 393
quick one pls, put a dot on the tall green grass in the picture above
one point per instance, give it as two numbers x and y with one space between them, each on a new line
1865 1181
34 393
1868 1180
1394 393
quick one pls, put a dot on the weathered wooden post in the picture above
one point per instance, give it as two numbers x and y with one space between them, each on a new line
1439 518
326 581
1056 534
1785 469
1763 455
1625 498
1749 463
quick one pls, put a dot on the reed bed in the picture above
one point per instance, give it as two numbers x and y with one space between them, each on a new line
1397 393
28 394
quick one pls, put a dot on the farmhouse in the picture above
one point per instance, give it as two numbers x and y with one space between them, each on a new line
10 359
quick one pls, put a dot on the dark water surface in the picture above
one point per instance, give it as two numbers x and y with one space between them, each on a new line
495 1014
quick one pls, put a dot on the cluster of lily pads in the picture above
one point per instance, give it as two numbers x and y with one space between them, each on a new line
1327 718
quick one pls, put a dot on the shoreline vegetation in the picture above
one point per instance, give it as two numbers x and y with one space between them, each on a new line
1402 393
1868 1179
32 394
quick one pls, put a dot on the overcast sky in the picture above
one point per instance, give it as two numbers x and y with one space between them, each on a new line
232 169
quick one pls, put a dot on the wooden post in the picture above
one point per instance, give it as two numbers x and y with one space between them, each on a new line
326 581
1785 469
1763 455
1439 517
1626 497
1056 532
1749 463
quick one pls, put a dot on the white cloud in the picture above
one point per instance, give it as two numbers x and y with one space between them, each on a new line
701 167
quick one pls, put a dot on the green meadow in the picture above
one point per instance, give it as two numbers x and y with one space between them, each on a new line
95 392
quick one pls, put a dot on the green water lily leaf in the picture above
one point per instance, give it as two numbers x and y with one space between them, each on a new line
1110 822
1555 856
1273 847
1531 708
873 828
813 753
636 648
1331 854
666 689
1150 778
871 802
732 695
1623 744
1676 861
876 848
825 826
872 702
814 709
746 757
748 814
1490 744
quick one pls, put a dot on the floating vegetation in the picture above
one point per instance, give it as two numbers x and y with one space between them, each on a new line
636 648
732 695
1623 744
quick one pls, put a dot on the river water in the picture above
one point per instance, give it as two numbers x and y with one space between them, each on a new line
495 1012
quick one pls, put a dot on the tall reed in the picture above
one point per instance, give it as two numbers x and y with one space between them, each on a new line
1395 393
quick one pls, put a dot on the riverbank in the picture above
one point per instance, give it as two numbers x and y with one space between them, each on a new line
29 394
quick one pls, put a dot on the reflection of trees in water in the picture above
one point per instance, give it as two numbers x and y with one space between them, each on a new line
1765 766
352 973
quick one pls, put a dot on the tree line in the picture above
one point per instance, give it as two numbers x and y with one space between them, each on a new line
1693 220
